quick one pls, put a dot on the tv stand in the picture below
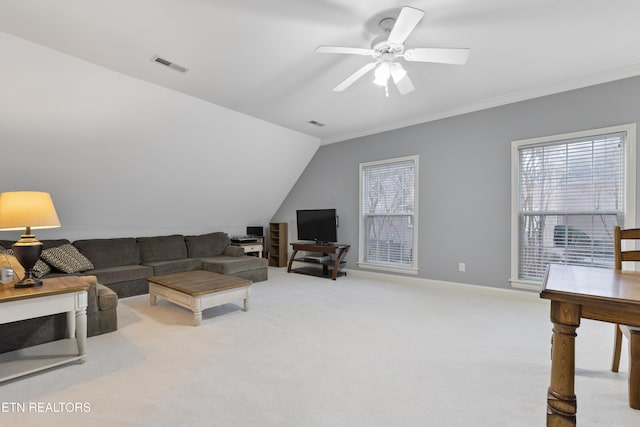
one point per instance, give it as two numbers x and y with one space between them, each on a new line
330 266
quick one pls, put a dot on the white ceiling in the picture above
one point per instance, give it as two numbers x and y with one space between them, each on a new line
257 57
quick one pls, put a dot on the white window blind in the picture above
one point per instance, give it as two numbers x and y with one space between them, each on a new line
388 201
571 194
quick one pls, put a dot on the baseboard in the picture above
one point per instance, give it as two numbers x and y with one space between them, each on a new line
419 281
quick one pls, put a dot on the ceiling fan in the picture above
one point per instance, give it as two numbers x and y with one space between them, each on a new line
389 47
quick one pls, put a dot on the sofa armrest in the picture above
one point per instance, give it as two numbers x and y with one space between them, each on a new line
232 250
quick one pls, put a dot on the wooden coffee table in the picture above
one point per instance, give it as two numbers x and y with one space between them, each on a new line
198 290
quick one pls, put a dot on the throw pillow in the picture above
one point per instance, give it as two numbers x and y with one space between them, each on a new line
40 269
67 259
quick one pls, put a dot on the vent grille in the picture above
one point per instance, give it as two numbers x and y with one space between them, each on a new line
169 64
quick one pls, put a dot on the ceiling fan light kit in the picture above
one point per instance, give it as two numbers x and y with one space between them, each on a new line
389 47
382 74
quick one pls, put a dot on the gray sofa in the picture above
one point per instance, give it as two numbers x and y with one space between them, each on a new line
121 267
124 264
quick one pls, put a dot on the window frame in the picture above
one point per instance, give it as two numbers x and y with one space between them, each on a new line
403 269
629 186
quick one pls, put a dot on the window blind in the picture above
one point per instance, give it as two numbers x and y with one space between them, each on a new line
571 195
388 195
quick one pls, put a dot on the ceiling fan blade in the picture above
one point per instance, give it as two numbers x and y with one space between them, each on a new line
404 85
345 50
406 22
456 56
355 76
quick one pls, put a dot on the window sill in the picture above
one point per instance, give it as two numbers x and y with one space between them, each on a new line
525 284
388 268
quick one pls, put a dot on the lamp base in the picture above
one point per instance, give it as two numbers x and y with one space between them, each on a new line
27 250
28 282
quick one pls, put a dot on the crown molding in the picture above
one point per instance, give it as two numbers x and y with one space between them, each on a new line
511 98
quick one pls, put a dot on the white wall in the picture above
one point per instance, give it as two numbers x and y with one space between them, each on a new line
122 157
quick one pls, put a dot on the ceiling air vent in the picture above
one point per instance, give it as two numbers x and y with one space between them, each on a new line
315 123
169 64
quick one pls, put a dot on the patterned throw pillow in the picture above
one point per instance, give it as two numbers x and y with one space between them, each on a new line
40 269
67 259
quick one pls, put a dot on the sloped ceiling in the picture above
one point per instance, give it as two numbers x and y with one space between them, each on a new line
257 57
123 157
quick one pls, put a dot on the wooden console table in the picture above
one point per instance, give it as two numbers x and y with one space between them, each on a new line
65 294
337 249
582 293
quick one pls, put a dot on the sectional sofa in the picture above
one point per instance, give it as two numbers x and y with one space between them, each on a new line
124 264
118 268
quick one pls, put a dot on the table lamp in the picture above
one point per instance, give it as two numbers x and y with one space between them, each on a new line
27 209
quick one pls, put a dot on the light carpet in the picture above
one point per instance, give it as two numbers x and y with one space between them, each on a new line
314 352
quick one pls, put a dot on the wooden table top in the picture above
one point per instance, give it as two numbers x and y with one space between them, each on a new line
604 294
591 283
51 286
199 282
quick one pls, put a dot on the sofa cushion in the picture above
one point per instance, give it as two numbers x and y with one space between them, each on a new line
207 245
52 243
104 253
6 244
162 248
122 273
175 265
230 265
67 259
233 250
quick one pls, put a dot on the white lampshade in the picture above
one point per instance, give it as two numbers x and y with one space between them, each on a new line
20 210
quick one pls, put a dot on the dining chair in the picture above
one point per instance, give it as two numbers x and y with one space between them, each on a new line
632 333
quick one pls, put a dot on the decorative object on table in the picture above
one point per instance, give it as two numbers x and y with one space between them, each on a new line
28 210
10 269
6 275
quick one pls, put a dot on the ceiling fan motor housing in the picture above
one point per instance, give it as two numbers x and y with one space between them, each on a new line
381 46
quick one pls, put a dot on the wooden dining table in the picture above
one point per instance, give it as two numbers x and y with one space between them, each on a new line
576 293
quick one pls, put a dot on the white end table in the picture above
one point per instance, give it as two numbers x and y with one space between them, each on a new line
65 294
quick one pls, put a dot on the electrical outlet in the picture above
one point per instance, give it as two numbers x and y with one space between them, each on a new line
462 267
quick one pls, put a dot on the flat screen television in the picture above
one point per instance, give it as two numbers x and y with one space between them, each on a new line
318 225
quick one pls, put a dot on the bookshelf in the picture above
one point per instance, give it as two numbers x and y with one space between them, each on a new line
278 244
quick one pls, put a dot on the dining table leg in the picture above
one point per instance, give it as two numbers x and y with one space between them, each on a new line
561 398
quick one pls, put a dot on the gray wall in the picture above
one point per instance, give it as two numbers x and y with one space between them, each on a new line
465 167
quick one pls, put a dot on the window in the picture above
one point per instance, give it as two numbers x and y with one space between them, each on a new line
388 212
569 192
